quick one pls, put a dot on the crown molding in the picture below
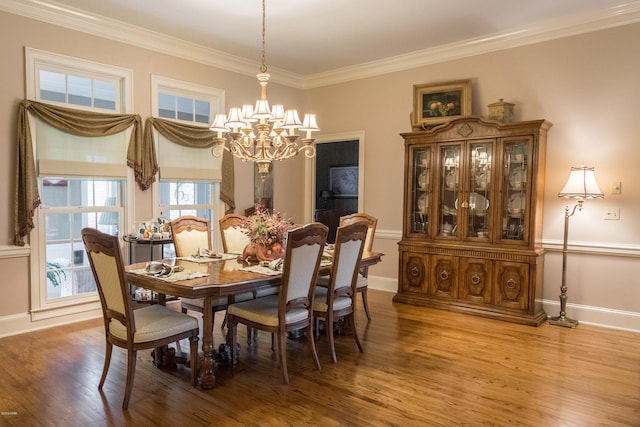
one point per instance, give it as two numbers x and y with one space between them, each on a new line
100 26
623 14
76 19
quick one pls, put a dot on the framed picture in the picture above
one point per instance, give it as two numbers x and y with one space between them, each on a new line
343 181
435 103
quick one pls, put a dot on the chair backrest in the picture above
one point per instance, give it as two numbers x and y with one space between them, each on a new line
304 246
234 239
103 251
190 233
371 224
349 245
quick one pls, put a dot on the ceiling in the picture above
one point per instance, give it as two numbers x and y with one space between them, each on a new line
311 37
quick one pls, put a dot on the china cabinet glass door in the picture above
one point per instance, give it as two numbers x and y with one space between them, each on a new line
449 189
515 203
421 190
480 190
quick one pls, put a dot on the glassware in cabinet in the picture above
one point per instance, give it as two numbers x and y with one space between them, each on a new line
421 191
478 213
515 178
449 179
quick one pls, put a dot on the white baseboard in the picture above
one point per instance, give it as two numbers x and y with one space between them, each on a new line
22 323
597 316
589 315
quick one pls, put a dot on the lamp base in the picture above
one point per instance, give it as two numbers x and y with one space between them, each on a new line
562 321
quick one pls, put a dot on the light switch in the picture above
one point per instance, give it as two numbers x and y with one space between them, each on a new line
612 213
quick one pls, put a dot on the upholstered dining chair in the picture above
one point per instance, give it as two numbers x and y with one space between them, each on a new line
292 308
234 239
190 234
337 299
148 327
363 281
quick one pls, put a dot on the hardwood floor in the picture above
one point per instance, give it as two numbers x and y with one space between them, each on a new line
419 367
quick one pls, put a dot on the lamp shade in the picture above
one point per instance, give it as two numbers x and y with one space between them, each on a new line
582 184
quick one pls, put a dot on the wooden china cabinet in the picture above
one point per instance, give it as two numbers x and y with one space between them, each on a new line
472 219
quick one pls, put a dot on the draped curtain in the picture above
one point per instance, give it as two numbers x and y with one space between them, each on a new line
141 155
195 137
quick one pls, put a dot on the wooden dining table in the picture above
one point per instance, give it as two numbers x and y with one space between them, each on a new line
220 278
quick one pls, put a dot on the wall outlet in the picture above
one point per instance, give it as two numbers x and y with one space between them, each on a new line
612 213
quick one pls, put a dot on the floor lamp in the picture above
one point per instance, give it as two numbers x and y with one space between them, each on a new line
581 185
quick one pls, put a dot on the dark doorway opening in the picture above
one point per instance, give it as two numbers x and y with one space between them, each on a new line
336 183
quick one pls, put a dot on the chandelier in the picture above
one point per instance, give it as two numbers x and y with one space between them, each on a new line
262 134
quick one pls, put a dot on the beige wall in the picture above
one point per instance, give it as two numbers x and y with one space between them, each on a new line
585 85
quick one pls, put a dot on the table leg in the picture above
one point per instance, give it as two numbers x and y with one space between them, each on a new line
207 377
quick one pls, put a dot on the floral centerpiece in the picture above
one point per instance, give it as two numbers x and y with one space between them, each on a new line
267 232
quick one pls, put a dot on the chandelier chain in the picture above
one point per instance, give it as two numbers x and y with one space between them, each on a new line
263 68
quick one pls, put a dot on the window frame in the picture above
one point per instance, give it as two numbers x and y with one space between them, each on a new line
42 308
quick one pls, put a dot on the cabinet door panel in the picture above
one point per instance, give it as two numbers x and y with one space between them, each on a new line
443 282
475 281
512 288
516 190
449 178
415 268
420 190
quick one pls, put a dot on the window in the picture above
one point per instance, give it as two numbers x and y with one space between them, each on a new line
69 205
189 177
83 181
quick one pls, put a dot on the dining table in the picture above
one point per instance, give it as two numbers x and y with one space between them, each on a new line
209 278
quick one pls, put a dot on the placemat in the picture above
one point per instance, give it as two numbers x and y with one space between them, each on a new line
173 277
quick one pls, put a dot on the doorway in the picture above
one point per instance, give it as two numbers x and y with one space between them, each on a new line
337 182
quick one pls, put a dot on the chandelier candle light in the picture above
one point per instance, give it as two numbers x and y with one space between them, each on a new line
581 185
275 128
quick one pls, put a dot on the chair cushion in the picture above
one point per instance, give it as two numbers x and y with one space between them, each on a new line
323 280
362 282
320 301
264 311
243 297
155 322
266 291
199 302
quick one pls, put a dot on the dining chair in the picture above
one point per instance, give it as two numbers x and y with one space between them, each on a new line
292 308
190 234
363 281
234 239
148 327
337 300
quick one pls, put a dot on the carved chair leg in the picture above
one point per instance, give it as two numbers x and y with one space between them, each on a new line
107 361
363 291
131 372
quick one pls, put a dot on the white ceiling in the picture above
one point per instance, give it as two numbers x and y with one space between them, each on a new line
311 37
